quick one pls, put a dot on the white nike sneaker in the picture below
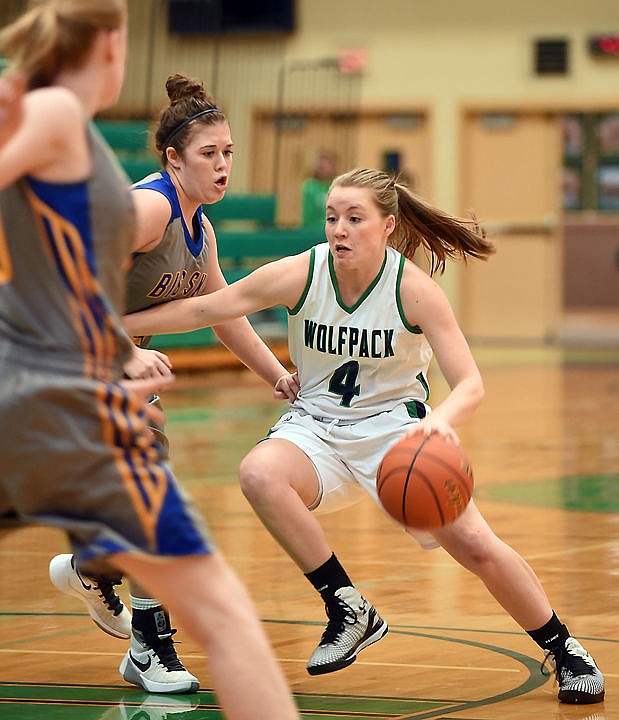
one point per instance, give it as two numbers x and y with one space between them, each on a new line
104 606
152 663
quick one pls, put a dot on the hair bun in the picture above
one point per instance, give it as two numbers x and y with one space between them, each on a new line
180 87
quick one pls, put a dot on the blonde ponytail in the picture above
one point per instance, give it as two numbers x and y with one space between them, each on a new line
54 34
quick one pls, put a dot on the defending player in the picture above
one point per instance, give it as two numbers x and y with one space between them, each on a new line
174 254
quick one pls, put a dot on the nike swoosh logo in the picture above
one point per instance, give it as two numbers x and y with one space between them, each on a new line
140 665
80 578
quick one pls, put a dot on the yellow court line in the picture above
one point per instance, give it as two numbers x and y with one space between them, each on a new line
282 660
574 550
297 660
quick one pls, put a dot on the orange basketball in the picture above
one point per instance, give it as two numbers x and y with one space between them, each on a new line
424 482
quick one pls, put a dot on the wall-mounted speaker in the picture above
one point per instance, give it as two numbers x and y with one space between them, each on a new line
551 56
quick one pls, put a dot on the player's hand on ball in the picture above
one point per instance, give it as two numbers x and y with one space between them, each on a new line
431 424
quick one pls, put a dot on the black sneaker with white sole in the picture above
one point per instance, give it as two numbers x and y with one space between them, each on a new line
353 625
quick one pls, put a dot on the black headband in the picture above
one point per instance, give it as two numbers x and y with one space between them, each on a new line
186 122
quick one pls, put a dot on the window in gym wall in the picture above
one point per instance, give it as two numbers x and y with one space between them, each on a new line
591 161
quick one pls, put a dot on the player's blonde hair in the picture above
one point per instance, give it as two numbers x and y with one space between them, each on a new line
54 34
417 222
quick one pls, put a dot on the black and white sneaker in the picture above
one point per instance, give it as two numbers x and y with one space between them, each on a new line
580 681
152 663
353 625
104 605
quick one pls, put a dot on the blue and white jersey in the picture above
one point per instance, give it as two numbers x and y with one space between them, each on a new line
177 267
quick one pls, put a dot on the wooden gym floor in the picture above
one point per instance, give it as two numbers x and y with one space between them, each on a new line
545 453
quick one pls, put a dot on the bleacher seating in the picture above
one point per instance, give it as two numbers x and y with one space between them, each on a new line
125 135
235 208
130 141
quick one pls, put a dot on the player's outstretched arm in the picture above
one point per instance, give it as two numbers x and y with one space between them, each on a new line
277 283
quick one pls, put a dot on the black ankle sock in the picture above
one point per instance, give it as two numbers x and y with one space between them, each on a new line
151 621
329 577
552 634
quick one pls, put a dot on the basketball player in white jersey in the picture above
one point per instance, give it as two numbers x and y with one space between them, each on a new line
364 322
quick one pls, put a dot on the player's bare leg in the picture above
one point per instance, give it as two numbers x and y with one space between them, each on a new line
213 607
280 482
513 583
510 579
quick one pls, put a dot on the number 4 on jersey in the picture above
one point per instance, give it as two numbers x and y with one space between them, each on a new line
343 382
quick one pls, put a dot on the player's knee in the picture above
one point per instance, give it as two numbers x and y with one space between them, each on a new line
479 553
255 480
469 546
477 556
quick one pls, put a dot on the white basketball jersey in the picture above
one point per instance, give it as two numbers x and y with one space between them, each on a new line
356 361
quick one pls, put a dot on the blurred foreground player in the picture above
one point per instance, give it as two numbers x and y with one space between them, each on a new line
76 451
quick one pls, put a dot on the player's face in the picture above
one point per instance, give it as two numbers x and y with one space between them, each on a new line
204 169
355 228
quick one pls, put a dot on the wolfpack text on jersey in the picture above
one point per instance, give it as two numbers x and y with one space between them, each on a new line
360 360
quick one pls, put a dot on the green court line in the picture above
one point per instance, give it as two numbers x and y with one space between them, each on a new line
30 701
190 415
404 629
366 706
26 701
307 623
535 679
211 413
584 493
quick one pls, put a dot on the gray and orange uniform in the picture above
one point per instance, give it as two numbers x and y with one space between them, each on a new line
74 447
177 267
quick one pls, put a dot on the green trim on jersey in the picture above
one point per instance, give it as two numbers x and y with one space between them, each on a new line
336 289
413 410
310 275
424 383
398 298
